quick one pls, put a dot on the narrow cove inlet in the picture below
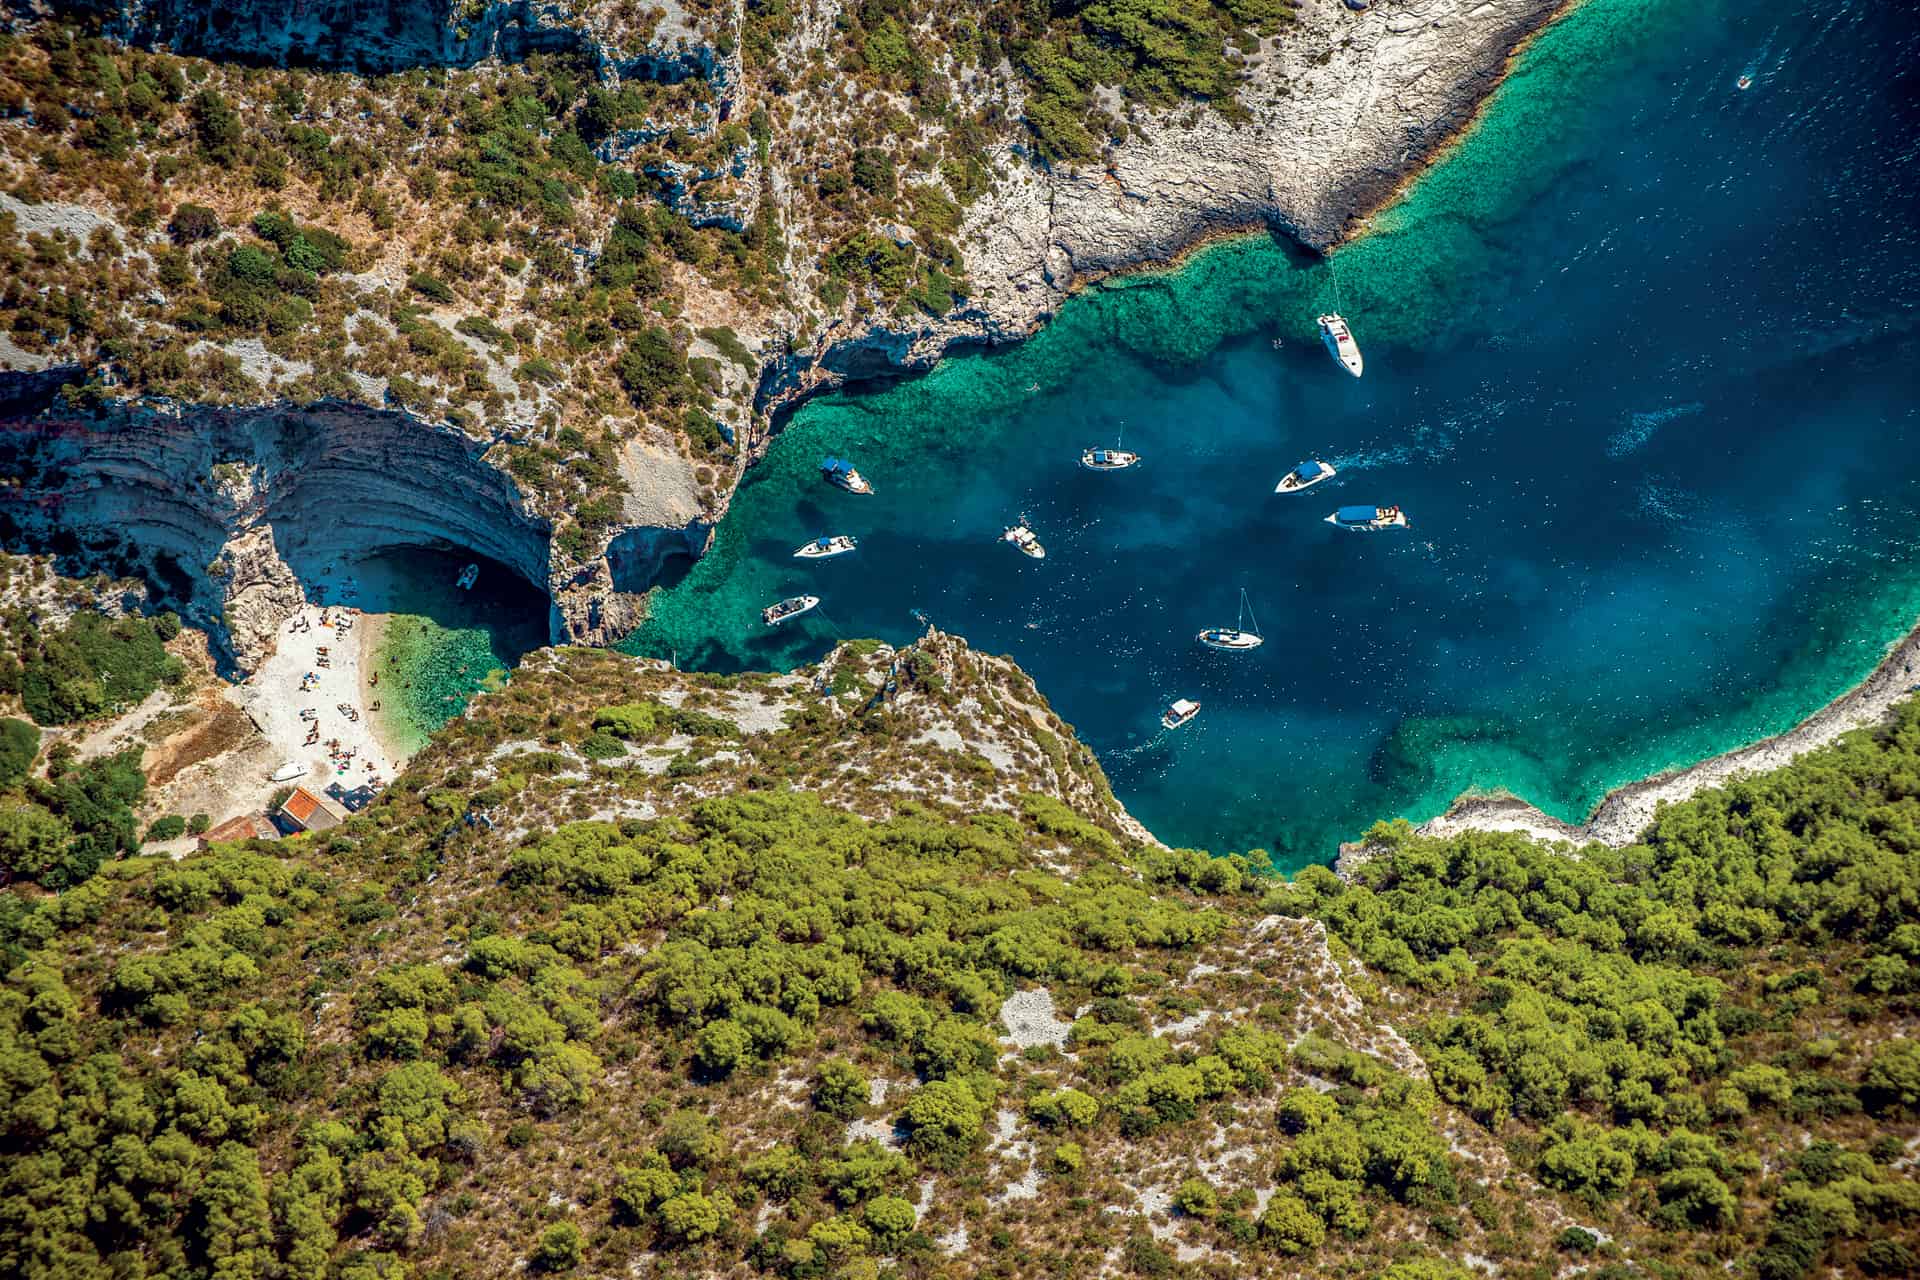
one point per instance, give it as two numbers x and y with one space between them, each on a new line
1643 383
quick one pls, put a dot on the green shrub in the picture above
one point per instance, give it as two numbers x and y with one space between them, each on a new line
170 827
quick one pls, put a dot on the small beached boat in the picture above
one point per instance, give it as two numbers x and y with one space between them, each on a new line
1023 540
1305 476
288 772
1339 339
792 607
1368 519
1234 639
826 548
1108 459
1178 712
468 576
840 474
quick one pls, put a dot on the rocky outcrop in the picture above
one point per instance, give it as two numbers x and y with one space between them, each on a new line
381 36
1342 108
228 511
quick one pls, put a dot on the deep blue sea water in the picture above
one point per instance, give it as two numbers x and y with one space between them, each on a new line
1642 368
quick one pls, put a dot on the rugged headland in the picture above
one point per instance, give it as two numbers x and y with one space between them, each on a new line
589 255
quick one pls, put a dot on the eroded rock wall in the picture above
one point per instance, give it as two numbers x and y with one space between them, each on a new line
247 504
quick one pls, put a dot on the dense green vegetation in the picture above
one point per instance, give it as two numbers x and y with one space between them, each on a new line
90 666
1642 1022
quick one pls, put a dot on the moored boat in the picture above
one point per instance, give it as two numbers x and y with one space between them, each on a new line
1368 519
1108 459
1339 339
792 607
1305 476
826 548
1178 712
1234 639
468 576
1023 540
840 473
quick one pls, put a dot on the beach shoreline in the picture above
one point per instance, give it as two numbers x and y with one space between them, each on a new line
1625 813
381 722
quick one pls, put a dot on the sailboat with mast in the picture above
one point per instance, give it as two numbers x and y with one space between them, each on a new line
1235 639
1114 459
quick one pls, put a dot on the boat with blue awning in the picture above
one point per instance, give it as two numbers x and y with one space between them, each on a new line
841 474
1108 459
1368 519
826 548
1305 476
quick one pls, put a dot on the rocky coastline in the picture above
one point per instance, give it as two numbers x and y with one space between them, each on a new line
1341 110
1627 811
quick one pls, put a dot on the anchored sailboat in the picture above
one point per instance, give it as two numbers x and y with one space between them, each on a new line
1235 639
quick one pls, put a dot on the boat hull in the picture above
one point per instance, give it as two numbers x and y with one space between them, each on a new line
1340 344
813 551
1290 484
1114 460
1368 526
807 605
1230 641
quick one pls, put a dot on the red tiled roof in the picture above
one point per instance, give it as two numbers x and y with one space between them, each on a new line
248 826
301 804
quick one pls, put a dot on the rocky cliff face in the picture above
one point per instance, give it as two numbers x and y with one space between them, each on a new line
246 504
381 36
1341 109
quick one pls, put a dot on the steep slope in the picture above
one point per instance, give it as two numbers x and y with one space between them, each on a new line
862 968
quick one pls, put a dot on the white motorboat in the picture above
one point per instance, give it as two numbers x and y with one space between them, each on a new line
826 548
1368 519
1178 712
1023 540
288 772
468 576
840 473
1305 476
1339 339
1109 459
792 607
1235 639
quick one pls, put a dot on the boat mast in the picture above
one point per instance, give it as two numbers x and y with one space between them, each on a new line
1246 607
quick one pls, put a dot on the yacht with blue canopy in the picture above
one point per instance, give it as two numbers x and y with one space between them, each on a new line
1305 476
1368 519
840 474
826 548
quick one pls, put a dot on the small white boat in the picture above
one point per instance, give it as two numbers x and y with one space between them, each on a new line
1178 712
1108 459
1744 82
468 576
288 772
826 548
1339 339
792 607
1234 639
1022 540
1305 476
840 474
1368 519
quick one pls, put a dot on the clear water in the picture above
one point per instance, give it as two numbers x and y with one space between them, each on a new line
1641 367
441 644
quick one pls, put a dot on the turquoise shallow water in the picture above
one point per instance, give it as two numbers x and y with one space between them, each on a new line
1640 366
